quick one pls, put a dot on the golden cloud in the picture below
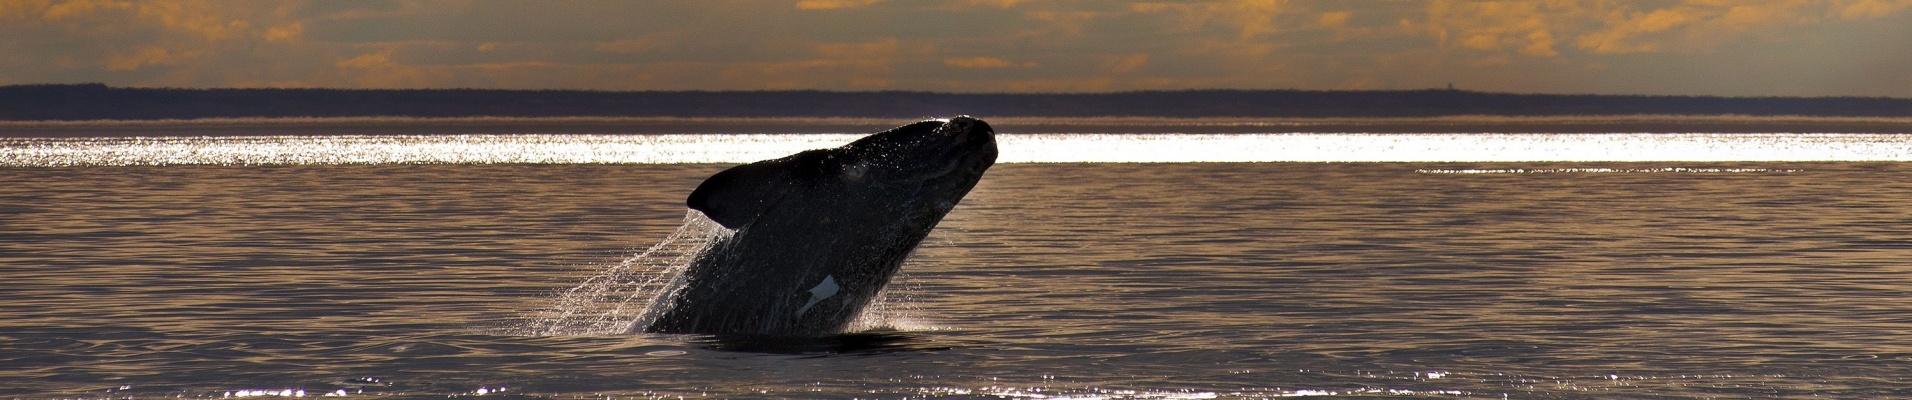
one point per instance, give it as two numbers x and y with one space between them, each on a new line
986 63
367 61
988 3
638 44
73 9
1863 9
1042 45
1534 28
1248 18
1524 27
834 4
149 56
1336 19
285 32
1122 64
851 65
1060 25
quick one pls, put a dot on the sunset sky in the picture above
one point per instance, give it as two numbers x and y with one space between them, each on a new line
1690 47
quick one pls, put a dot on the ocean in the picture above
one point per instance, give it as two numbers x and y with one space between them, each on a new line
1164 261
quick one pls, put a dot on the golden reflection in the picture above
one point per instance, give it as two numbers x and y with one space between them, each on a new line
1687 170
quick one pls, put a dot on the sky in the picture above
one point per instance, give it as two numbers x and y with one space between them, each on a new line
1667 47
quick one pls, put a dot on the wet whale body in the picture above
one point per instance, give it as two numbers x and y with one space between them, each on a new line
813 237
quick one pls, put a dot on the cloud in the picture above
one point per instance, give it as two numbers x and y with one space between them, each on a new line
157 42
1054 25
377 70
149 56
857 65
1523 27
834 4
1122 64
1336 19
986 63
1538 28
1247 18
639 44
1690 25
987 3
1866 9
966 45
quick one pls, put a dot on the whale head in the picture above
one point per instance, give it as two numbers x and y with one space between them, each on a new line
936 152
937 161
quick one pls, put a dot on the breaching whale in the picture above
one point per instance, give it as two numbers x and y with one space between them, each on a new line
816 235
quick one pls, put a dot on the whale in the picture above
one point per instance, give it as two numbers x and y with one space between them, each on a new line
811 239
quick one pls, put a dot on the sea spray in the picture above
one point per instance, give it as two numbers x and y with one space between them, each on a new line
621 297
614 299
896 307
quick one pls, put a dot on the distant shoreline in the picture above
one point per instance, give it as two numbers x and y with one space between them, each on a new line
783 125
86 102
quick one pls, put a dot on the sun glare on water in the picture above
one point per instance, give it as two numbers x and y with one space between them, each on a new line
1015 148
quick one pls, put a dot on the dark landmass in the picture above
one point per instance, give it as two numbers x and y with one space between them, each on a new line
101 102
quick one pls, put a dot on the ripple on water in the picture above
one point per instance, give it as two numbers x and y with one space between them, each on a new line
1053 280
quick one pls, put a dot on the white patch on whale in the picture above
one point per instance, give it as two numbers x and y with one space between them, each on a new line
817 294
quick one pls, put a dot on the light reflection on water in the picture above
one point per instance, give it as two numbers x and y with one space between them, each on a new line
1016 148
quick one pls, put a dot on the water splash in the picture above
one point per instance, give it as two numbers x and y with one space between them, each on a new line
615 300
624 297
896 307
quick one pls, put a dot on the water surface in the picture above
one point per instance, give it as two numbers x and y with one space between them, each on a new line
1015 147
1530 280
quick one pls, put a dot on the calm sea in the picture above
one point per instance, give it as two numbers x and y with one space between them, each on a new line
1086 266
